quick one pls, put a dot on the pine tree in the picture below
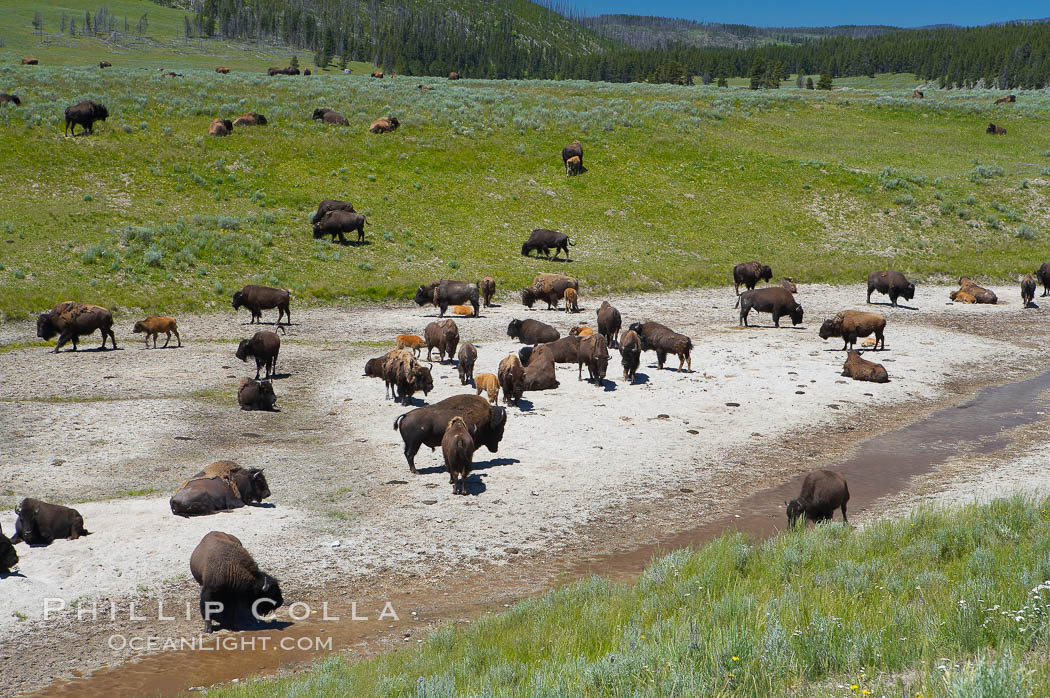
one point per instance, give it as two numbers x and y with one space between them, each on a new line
72 27
809 83
722 82
825 82
38 23
186 28
295 61
757 73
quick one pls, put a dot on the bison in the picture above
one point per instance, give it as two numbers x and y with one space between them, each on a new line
664 341
232 584
489 383
457 447
891 283
572 150
70 321
443 293
550 288
453 75
220 128
630 354
222 70
593 351
917 94
1004 100
574 166
8 555
850 324
426 425
511 376
572 301
410 341
153 326
259 298
13 99
487 287
331 205
995 130
30 61
105 64
542 240
264 346
250 119
581 331
257 395
609 322
385 124
377 74
983 295
338 222
1043 274
85 114
789 283
40 523
823 491
228 487
962 297
404 376
860 369
772 299
540 373
468 355
562 351
749 274
1027 290
330 116
442 335
531 331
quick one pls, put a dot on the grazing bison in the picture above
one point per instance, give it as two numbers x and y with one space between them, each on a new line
487 287
30 61
222 70
572 301
468 355
153 326
860 369
384 124
250 119
443 293
593 351
13 99
664 341
404 376
540 373
572 150
105 64
70 321
40 523
306 71
457 447
630 354
511 376
257 395
995 130
1027 290
542 240
891 283
330 116
453 75
232 585
85 114
1043 274
850 324
426 425
749 274
772 299
1004 100
220 128
789 283
981 294
531 331
259 298
410 341
264 346
489 383
823 491
331 205
338 222
550 288
442 335
574 166
609 322
8 555
221 486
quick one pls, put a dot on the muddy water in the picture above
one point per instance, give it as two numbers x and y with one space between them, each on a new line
881 466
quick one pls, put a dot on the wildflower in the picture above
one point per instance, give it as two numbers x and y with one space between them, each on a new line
732 676
853 687
736 658
866 692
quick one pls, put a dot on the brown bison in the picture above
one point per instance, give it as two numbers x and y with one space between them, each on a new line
453 75
283 71
749 274
1004 100
442 335
532 331
220 128
983 295
426 425
511 376
377 74
1043 274
306 71
259 298
331 205
487 287
1027 290
789 283
917 94
335 223
860 369
593 351
8 554
630 354
70 321
40 523
891 283
572 150
664 341
384 124
13 99
85 114
543 240
330 116
823 491
264 346
850 324
540 373
222 486
466 358
995 130
30 61
457 447
404 376
776 300
232 585
574 166
222 70
489 383
550 288
609 322
562 351
257 395
105 64
250 119
443 293
153 326
572 301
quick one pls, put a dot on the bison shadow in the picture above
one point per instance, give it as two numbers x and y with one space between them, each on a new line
608 385
93 350
640 379
524 404
493 463
245 621
355 243
899 305
12 573
667 367
1033 304
278 376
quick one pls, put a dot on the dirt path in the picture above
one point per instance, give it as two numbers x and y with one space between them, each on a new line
580 469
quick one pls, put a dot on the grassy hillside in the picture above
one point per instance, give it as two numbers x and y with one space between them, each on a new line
949 603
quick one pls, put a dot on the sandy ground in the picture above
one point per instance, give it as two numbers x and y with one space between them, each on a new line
97 429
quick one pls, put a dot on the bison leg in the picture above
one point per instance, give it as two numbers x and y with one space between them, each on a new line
844 519
476 309
776 319
893 299
258 366
410 456
342 240
880 338
167 341
660 357
870 289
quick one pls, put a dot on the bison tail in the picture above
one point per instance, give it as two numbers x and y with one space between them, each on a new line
569 240
397 422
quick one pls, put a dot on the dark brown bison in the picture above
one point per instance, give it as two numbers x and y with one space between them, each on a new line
222 486
823 491
330 116
891 283
8 554
443 293
331 205
105 64
550 288
773 299
256 395
404 376
1043 274
540 373
453 75
442 335
572 150
995 130
609 323
531 331
487 287
250 119
222 70
70 321
426 425
917 94
220 128
664 341
338 222
306 71
562 351
511 376
860 369
457 447
40 523
594 352
543 240
259 298
30 61
980 294
13 99
630 354
264 346
85 114
232 585
283 71
1004 100
468 355
850 324
384 124
789 283
1027 290
749 274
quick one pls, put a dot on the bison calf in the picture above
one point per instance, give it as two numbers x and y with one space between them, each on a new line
153 326
487 287
410 341
41 523
231 583
488 383
823 491
572 299
468 354
983 295
860 369
457 447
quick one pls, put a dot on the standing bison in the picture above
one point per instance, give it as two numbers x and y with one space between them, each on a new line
664 341
594 352
426 425
511 377
1027 290
404 376
85 114
442 335
264 346
572 150
457 447
259 298
550 288
850 324
749 274
543 240
823 491
338 222
70 321
466 358
232 585
1043 274
487 287
443 293
776 300
40 523
609 322
630 354
891 283
331 205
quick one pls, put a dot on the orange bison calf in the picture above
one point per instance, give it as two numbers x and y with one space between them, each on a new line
490 384
410 341
384 125
572 298
153 326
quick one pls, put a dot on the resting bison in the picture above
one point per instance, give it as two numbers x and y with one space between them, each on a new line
630 354
30 61
981 294
404 376
250 119
385 124
511 375
862 370
8 556
1004 100
749 274
664 341
457 447
550 288
562 351
442 335
330 116
105 64
789 283
338 222
1027 290
772 299
283 71
85 114
220 128
257 395
574 166
5 98
264 346
223 70
542 240
221 486
609 322
40 523
331 205
232 585
531 331
962 297
572 150
594 352
1043 274
70 321
153 326
540 373
468 355
443 293
850 324
259 298
426 425
453 75
823 491
995 130
377 74
487 288
890 283
917 93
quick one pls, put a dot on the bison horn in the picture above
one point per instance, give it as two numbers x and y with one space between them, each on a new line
499 416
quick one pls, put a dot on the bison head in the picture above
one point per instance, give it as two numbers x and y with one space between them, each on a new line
514 329
990 129
524 354
238 300
424 295
497 423
319 113
99 111
259 489
528 297
139 328
765 273
795 511
268 596
394 123
909 292
242 350
424 380
829 329
15 100
636 327
525 249
45 326
796 314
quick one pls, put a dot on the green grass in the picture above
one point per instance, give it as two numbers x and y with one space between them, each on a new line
945 602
